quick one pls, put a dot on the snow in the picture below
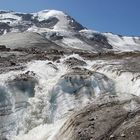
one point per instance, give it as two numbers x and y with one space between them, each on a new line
76 43
46 14
9 17
88 33
49 32
119 43
63 23
123 43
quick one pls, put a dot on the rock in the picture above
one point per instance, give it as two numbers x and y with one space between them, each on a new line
74 62
110 120
3 48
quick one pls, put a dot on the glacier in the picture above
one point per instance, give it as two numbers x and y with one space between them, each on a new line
62 81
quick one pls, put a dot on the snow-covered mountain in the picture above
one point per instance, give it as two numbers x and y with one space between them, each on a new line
64 31
62 81
47 19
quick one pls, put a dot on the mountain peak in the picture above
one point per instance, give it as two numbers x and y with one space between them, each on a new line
64 21
52 11
46 19
60 18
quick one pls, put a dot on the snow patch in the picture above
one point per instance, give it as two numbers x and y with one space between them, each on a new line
123 43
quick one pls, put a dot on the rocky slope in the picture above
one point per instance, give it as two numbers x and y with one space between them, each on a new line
60 80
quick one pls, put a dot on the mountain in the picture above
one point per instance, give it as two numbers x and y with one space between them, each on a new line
62 81
65 31
47 19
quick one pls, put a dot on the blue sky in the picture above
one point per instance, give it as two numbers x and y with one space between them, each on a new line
117 16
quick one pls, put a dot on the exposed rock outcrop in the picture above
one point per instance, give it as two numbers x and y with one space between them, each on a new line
114 120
